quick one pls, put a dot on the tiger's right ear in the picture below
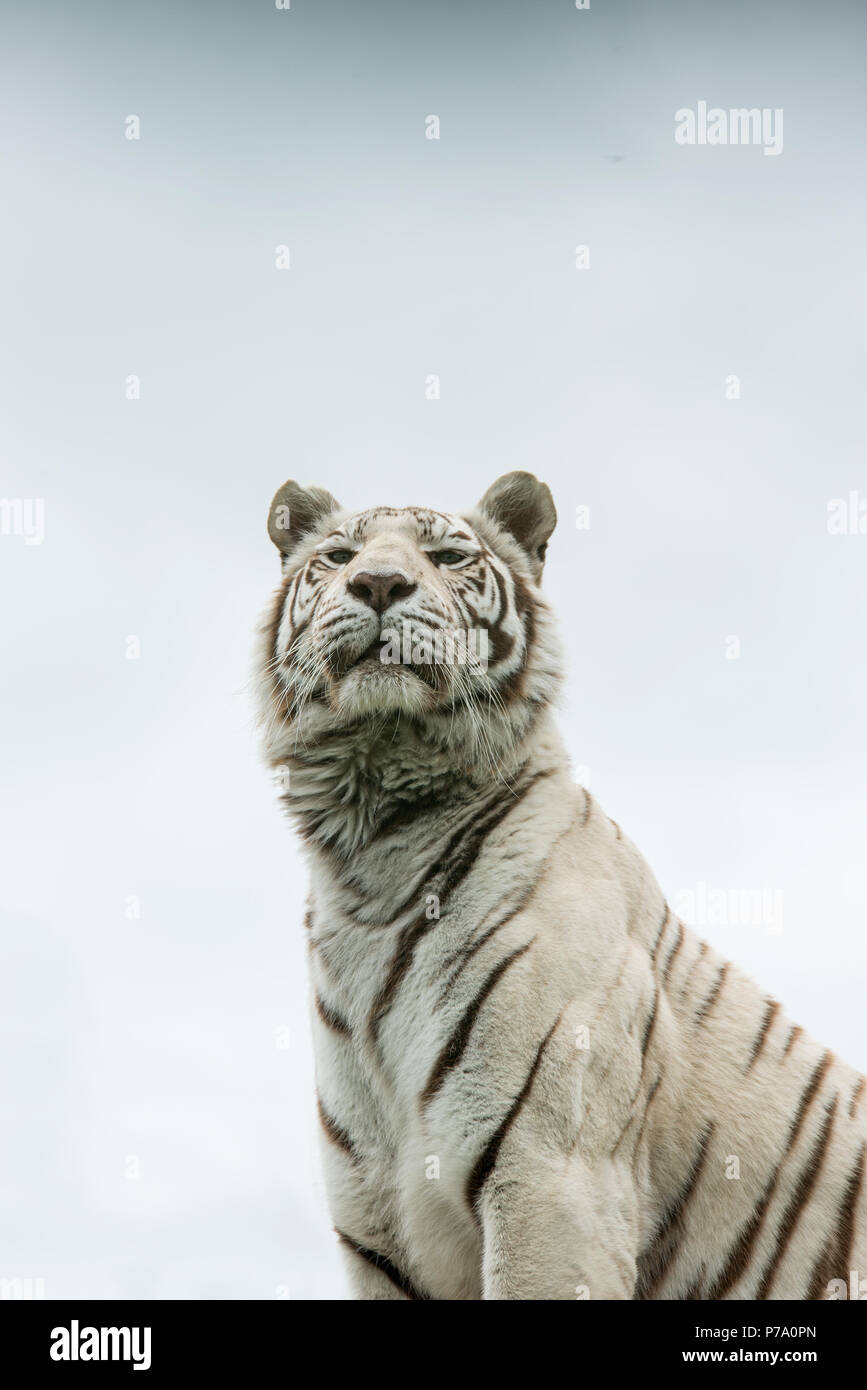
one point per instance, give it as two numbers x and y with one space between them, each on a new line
296 510
524 507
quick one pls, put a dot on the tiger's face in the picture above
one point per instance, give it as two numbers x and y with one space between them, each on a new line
406 611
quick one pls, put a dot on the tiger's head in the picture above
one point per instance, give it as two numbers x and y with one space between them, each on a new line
410 614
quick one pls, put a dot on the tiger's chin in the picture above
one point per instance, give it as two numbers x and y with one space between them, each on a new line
372 687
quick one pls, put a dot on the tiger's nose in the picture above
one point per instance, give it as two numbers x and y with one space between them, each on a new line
380 591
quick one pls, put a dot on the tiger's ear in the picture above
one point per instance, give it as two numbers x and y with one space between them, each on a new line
524 507
296 510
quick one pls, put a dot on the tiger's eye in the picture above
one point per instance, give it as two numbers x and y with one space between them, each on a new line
447 557
340 557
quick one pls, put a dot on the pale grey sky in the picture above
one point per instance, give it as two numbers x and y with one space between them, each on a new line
154 1045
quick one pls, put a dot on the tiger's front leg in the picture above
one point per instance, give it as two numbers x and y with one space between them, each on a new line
553 1236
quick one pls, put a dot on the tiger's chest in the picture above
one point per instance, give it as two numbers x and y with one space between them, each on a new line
424 1028
397 1175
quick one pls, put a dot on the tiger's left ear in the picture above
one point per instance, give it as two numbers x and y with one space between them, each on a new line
524 507
296 510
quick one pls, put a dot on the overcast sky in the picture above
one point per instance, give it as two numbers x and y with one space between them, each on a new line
159 1123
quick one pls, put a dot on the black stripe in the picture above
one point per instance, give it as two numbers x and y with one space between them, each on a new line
502 643
632 1117
772 1008
670 962
651 1096
739 1258
335 1132
384 1266
738 1261
331 1018
514 684
459 859
654 1262
471 814
834 1261
661 933
812 1087
692 969
405 814
486 1162
463 956
856 1096
457 1043
713 996
649 1025
792 1215
460 853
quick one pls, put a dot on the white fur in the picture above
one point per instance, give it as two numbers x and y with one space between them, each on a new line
588 1193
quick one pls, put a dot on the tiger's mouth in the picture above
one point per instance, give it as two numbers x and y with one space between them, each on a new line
379 656
386 664
376 651
346 658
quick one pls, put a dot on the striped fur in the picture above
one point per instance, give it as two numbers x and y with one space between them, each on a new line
534 1081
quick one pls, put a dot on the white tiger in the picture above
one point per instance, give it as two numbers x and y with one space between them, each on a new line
531 1075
